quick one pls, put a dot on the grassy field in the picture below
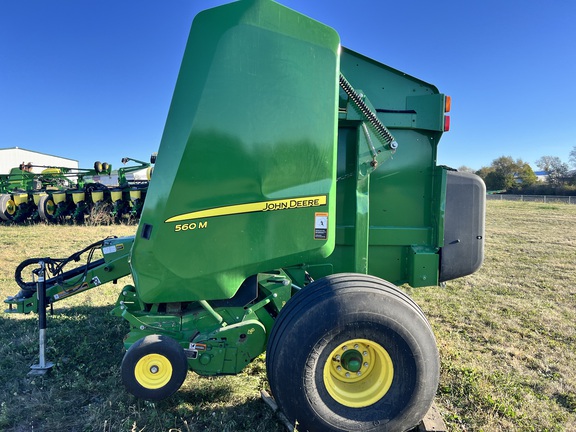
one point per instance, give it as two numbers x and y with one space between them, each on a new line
506 336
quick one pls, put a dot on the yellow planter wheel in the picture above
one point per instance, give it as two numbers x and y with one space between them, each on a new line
7 207
47 208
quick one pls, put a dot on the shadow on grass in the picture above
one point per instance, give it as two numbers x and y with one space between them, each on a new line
84 392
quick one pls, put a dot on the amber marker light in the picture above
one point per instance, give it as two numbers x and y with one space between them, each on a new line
447 107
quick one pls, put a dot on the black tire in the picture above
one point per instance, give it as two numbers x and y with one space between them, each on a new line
47 208
392 367
154 367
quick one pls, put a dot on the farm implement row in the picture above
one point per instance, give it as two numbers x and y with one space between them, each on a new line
62 194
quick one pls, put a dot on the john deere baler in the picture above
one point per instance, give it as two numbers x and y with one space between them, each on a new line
295 186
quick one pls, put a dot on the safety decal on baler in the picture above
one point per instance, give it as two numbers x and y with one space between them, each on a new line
112 249
321 226
262 206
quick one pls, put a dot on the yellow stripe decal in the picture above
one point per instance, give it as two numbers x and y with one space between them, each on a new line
262 206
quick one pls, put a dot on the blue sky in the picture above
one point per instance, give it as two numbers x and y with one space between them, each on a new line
92 80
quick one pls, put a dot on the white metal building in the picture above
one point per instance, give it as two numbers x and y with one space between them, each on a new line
14 156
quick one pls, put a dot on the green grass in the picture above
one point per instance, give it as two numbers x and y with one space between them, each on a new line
506 337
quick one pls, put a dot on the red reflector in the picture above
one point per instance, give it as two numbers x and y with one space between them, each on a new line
446 123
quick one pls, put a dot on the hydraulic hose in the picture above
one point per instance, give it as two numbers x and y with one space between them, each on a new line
54 267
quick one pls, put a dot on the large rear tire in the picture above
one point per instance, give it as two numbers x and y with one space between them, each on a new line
352 352
154 367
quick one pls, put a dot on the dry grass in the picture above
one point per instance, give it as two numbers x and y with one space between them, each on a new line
506 336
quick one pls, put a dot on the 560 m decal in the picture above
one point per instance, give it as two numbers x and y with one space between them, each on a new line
262 206
191 226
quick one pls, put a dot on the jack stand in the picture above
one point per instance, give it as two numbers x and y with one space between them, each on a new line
43 367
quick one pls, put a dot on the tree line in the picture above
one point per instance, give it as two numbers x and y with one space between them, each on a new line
516 176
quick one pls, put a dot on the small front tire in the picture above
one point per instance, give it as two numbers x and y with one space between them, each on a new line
154 367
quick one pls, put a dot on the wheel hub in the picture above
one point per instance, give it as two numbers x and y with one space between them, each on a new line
352 360
358 373
11 207
50 207
153 371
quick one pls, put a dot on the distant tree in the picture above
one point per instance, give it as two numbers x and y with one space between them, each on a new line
557 170
465 169
497 181
572 161
573 157
559 174
503 163
545 163
483 172
505 173
525 174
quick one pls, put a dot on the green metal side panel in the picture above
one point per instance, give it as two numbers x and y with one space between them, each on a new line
244 181
407 192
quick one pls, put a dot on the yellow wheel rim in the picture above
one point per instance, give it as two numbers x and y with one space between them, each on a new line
50 207
358 373
153 371
11 207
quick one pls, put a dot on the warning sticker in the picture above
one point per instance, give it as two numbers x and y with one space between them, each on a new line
112 249
108 249
321 226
